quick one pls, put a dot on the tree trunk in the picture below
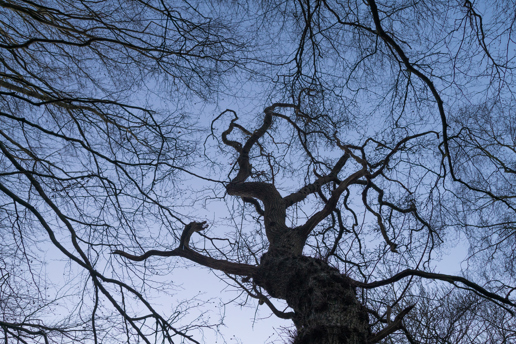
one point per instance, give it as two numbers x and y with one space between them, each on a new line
325 304
326 307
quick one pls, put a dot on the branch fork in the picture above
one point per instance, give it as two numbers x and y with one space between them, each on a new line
186 252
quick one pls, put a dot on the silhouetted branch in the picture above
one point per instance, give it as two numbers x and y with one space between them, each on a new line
439 277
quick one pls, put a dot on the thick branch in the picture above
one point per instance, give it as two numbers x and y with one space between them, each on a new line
244 167
184 251
441 277
274 211
265 192
332 202
256 204
221 265
190 229
315 186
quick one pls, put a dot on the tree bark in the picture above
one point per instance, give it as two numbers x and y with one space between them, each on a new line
325 304
324 301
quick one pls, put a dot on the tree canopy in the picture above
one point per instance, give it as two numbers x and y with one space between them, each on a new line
356 147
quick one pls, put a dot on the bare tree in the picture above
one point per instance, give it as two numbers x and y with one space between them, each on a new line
83 150
388 137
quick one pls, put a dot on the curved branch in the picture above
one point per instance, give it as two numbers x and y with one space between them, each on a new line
392 327
236 145
332 202
256 204
190 229
441 277
426 80
300 195
244 167
282 315
379 220
264 299
221 265
274 206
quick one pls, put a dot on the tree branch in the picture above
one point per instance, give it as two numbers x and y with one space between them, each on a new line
392 327
332 202
379 220
441 277
221 265
184 251
244 167
300 195
254 202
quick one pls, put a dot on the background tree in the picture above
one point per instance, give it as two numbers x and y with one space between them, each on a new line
87 140
387 138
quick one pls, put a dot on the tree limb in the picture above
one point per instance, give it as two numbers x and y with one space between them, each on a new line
254 202
441 277
221 265
300 195
392 327
186 252
332 202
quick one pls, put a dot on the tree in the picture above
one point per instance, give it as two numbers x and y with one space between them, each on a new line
387 136
81 158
